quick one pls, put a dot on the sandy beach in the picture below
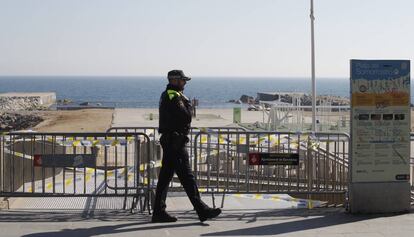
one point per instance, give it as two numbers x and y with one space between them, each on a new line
85 120
98 120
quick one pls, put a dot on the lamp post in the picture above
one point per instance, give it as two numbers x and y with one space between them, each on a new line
313 67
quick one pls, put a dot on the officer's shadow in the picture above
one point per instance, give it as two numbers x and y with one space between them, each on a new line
113 229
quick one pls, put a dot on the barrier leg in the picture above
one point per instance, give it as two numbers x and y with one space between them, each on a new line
133 204
222 200
213 199
125 203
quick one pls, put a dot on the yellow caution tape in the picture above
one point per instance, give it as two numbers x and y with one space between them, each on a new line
115 142
49 186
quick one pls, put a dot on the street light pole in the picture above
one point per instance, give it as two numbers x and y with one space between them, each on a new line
313 67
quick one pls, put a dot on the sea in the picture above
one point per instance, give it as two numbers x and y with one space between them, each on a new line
144 92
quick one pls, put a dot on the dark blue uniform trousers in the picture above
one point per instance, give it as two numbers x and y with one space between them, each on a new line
176 159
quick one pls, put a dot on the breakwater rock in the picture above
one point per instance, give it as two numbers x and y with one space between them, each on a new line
10 121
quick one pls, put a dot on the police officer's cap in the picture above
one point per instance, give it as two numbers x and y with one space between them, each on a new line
177 74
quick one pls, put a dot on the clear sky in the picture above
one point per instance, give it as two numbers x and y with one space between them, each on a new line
268 38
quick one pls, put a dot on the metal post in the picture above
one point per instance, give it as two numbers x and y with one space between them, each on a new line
313 67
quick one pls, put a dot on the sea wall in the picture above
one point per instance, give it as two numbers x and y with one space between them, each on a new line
19 103
26 101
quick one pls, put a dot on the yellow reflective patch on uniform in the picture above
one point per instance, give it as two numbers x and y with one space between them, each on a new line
172 94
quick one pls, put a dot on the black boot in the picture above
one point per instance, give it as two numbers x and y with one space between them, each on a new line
163 217
208 213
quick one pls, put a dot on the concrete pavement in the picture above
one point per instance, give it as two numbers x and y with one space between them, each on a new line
241 217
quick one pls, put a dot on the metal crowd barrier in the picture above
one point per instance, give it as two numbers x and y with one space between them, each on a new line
219 157
156 151
128 161
152 132
115 164
222 164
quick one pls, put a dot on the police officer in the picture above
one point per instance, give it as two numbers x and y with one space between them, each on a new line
174 126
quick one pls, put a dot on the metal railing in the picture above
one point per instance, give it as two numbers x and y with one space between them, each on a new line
222 164
152 132
218 156
76 164
156 151
127 161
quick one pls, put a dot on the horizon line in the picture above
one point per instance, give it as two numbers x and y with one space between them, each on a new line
192 76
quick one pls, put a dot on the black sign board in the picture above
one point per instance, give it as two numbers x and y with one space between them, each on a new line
65 160
273 159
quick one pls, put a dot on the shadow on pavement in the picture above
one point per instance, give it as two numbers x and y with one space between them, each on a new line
313 220
64 215
70 215
286 221
105 230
